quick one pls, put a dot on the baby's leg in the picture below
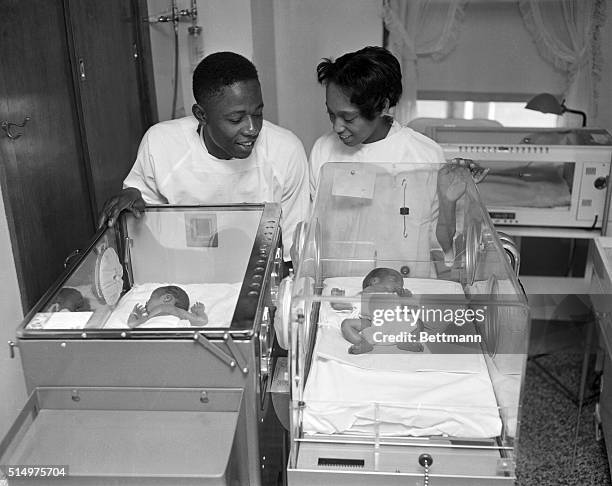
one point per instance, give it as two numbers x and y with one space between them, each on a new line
351 330
415 347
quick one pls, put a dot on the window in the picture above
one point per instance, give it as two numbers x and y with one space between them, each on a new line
508 113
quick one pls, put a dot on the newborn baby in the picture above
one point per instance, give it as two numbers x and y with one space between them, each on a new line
69 300
168 301
357 331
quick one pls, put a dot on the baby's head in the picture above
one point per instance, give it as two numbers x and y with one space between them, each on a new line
170 294
383 280
69 300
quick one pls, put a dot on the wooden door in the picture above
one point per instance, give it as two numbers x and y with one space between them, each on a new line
109 60
42 176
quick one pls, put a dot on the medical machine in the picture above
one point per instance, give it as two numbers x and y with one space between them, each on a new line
537 177
437 397
126 394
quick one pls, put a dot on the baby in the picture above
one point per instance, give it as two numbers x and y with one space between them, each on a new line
378 281
69 300
168 301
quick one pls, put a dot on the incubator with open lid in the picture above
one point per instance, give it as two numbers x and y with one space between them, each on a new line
124 394
437 397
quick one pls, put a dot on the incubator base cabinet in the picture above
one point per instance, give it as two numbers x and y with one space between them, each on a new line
129 388
415 383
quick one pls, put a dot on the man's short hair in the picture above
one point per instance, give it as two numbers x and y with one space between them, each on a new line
181 298
218 70
369 77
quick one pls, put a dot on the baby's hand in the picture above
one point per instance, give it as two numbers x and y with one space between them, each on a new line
198 309
138 311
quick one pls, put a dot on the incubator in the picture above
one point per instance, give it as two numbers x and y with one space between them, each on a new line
538 176
436 396
124 392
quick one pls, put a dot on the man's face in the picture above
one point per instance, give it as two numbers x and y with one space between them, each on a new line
348 122
232 119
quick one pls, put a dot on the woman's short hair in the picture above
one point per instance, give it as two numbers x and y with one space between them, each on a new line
369 77
219 70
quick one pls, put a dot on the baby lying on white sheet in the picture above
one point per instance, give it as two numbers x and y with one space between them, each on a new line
169 300
358 331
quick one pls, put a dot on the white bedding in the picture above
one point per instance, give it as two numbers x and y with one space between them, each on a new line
418 394
219 300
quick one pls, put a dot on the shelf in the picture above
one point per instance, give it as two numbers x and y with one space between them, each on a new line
546 232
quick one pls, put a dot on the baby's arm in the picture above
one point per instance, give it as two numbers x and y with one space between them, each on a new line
197 316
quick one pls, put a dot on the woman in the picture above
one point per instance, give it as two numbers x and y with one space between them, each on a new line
361 88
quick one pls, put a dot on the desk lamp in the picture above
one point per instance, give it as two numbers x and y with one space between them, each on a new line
547 103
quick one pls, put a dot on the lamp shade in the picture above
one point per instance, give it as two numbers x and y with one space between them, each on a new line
545 103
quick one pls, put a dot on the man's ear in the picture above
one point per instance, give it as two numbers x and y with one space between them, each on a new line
54 308
199 113
167 298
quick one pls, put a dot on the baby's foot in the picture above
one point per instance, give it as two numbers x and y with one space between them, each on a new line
360 348
414 347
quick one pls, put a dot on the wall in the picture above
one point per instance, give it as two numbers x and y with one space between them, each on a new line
287 38
603 118
305 32
226 26
12 385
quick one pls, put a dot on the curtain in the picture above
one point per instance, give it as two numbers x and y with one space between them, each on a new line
420 28
566 33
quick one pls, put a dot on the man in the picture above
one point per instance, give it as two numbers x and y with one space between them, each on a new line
225 153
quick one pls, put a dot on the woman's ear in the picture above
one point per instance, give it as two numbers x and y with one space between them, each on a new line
199 113
386 110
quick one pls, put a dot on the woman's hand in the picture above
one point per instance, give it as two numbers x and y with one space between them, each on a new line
128 199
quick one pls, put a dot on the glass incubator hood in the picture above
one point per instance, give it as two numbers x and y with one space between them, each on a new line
433 389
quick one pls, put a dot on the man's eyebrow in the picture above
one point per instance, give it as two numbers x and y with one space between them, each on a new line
241 112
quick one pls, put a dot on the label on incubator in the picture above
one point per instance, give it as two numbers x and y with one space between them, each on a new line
201 230
353 183
502 215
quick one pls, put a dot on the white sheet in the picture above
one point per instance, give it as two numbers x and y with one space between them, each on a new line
219 300
418 394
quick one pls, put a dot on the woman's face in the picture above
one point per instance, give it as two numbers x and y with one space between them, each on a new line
348 122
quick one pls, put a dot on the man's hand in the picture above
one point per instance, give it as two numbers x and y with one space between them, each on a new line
128 199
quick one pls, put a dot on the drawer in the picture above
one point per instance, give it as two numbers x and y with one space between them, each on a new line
127 436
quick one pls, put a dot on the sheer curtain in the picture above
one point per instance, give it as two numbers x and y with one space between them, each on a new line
566 33
420 28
